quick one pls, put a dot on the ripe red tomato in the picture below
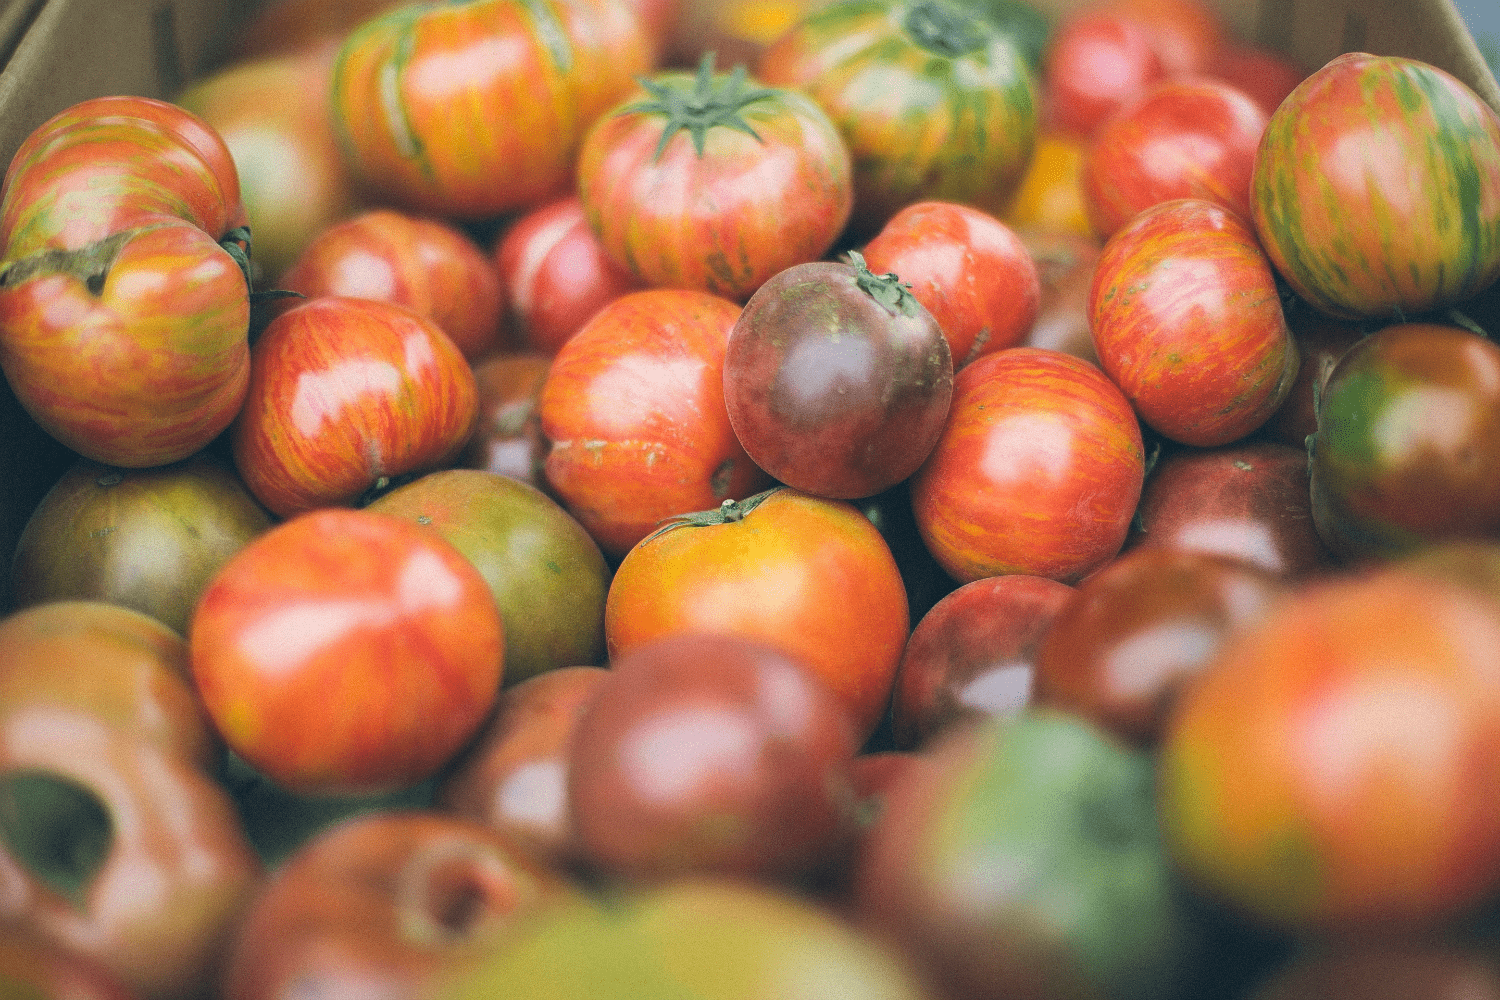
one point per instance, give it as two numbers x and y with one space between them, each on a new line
712 182
809 576
347 652
1360 178
836 380
1266 75
633 406
1188 35
477 107
1187 320
1182 139
347 393
1038 470
555 274
933 101
1352 726
428 265
1099 62
971 271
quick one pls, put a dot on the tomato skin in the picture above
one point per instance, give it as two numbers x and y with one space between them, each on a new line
1187 321
1407 450
344 393
932 102
434 121
1038 470
1191 138
1050 198
633 405
971 271
1359 180
1356 723
406 663
1099 62
807 575
725 219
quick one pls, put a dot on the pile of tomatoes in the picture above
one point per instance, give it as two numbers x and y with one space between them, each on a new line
862 499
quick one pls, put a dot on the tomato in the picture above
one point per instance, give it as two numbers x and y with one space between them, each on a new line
1188 35
810 576
345 395
933 101
433 121
1065 262
712 182
555 274
1265 74
837 381
971 271
1181 139
1360 180
1351 726
347 652
1407 450
1187 320
508 435
1037 471
427 265
633 406
1099 62
1050 197
1321 341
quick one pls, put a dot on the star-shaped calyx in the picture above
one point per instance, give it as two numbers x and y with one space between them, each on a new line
713 99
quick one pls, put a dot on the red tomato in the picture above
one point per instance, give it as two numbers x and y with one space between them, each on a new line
555 274
1186 138
477 107
634 407
428 265
713 182
1332 770
1360 178
809 576
1187 321
1037 472
1266 75
345 394
971 271
1098 63
347 652
1188 35
507 436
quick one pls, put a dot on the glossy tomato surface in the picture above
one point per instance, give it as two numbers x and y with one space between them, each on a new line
1098 63
810 576
1407 450
712 181
1187 320
1038 470
837 380
347 652
345 393
1361 178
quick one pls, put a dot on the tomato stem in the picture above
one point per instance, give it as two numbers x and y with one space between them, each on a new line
887 289
943 30
712 100
727 512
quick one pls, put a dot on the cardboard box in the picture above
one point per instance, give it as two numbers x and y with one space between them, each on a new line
58 52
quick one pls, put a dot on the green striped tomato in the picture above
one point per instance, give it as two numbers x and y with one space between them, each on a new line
1376 189
935 103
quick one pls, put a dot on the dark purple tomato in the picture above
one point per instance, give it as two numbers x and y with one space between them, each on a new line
974 654
1246 501
1407 450
837 380
1140 628
711 755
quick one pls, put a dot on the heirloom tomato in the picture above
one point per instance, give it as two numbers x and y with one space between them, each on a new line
1187 320
633 406
1188 35
1266 75
712 182
508 435
345 395
933 101
1050 198
1407 450
477 107
1376 189
1330 771
1180 139
971 271
1038 470
347 652
836 380
809 576
1099 62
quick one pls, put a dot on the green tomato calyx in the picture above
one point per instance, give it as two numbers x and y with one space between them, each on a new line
726 513
943 29
887 289
713 99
